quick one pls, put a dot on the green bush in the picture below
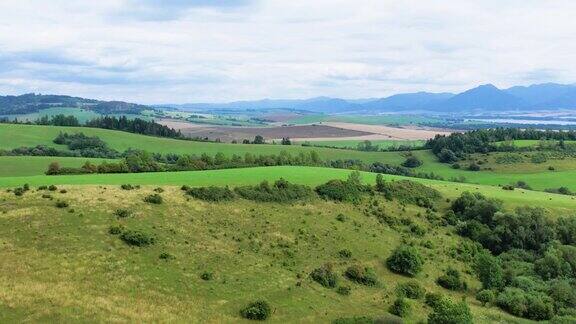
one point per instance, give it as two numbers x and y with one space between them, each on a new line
282 191
412 162
451 280
127 187
259 310
405 260
485 296
345 254
433 299
410 289
211 193
122 213
166 256
531 305
350 190
153 199
400 307
115 229
448 312
473 167
207 276
52 188
344 290
410 192
137 238
361 275
325 276
61 204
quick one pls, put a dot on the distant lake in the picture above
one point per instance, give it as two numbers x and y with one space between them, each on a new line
524 121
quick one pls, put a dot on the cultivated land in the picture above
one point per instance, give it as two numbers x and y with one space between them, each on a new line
353 143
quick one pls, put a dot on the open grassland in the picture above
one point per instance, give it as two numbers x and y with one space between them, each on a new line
63 265
302 175
17 166
13 136
384 144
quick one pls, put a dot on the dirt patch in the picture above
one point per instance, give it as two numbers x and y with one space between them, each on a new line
388 132
227 134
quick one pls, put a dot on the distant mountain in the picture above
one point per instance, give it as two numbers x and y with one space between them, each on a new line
566 100
484 97
407 101
30 103
539 94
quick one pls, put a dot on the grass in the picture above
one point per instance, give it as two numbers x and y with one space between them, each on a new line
12 136
303 175
18 166
381 143
62 265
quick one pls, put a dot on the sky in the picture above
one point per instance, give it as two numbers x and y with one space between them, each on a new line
177 51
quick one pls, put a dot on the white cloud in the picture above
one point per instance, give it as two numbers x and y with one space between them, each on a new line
182 51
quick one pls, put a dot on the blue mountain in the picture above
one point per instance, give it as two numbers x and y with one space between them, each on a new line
407 101
483 98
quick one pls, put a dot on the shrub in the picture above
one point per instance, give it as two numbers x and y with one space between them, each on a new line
448 312
361 275
433 299
127 187
410 289
137 238
531 305
159 190
281 191
115 229
485 296
473 167
338 190
447 156
166 256
42 187
122 213
259 310
345 254
207 276
61 204
341 218
52 188
410 192
63 191
400 307
325 276
412 162
344 290
451 280
154 199
405 260
489 271
211 193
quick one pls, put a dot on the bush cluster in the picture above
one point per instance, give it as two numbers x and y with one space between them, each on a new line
211 193
325 276
452 280
361 275
259 310
405 260
281 191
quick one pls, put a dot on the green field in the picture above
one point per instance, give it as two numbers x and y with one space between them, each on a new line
383 144
303 175
13 136
17 166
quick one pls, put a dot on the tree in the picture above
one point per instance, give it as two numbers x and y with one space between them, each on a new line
258 139
485 296
447 156
412 162
489 271
405 260
286 141
53 168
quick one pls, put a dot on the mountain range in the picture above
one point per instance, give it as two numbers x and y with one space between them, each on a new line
484 98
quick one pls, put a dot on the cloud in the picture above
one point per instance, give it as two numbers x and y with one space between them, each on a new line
154 51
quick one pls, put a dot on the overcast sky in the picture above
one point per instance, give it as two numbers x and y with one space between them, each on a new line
176 51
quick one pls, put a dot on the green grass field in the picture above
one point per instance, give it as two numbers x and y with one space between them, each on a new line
18 166
12 136
62 264
381 143
304 175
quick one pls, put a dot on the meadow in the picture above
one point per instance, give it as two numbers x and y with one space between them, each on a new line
383 144
208 260
18 166
302 175
81 114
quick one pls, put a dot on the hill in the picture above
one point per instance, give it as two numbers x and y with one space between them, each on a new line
480 98
30 103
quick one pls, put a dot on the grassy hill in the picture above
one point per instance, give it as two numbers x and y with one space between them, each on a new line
208 260
302 175
12 136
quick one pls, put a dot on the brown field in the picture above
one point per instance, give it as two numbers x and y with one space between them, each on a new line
399 133
229 133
